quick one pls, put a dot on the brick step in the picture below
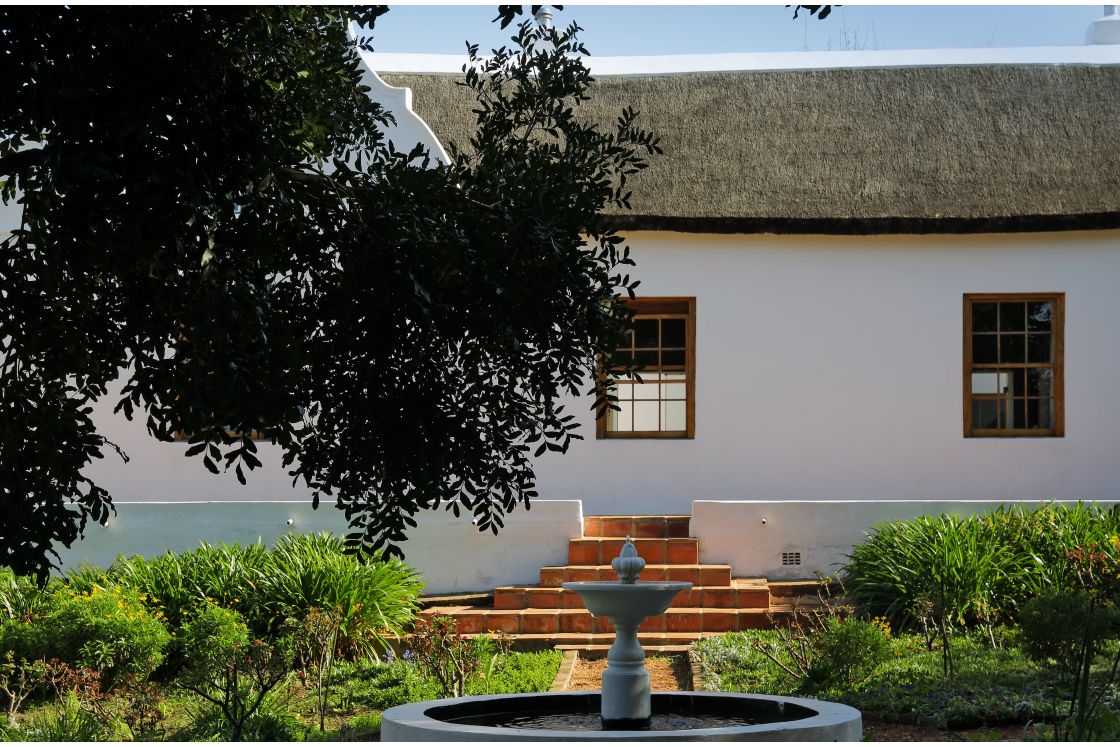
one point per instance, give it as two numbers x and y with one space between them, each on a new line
660 525
473 620
795 588
735 596
601 641
698 575
600 650
602 550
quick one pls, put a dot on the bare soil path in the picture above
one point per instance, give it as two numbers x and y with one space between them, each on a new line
665 673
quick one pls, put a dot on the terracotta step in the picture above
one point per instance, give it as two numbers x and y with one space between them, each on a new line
795 588
671 525
600 650
602 550
698 575
474 620
649 641
466 599
734 596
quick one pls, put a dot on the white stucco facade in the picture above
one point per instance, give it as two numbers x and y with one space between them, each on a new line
829 397
830 368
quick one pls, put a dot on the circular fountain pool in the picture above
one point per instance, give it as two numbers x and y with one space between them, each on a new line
575 716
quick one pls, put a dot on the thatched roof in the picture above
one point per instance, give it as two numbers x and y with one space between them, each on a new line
920 149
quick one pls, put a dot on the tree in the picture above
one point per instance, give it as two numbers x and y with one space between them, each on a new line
211 212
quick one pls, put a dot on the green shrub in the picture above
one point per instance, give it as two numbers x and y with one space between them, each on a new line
847 651
230 668
106 629
1054 628
377 600
21 597
177 582
979 569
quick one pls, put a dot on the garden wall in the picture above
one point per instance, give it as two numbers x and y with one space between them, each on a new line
450 553
752 536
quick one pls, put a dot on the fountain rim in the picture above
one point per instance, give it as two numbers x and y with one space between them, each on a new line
414 716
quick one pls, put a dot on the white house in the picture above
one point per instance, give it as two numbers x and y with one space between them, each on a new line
874 285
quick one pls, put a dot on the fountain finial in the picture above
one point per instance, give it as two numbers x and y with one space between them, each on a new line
628 564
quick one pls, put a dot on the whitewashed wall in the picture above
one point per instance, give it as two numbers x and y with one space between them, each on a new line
751 536
451 554
829 368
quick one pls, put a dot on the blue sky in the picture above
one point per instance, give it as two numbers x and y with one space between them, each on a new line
668 29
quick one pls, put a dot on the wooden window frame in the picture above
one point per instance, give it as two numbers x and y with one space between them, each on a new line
1057 365
665 306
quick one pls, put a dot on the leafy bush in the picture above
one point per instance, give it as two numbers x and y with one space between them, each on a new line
105 629
176 582
21 597
847 651
1055 628
229 668
946 572
377 600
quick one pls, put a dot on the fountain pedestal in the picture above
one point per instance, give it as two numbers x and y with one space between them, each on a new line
626 680
625 703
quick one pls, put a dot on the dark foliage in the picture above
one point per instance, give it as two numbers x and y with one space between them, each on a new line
210 210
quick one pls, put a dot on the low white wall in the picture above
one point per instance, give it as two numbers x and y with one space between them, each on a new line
449 552
751 536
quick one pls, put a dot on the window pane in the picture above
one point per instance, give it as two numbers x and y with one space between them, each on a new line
672 416
1016 383
984 413
988 382
645 416
646 358
645 333
984 349
624 390
1038 348
1040 413
1039 316
1038 382
1016 414
623 419
984 317
672 333
672 376
673 391
672 358
1012 316
645 391
1012 348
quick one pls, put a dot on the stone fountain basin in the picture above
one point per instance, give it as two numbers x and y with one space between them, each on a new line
461 719
631 601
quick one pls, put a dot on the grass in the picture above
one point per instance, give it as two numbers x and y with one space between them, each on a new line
363 690
990 687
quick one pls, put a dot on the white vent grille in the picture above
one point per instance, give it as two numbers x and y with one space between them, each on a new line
791 558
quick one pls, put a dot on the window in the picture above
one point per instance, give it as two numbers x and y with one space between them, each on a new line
662 343
1013 373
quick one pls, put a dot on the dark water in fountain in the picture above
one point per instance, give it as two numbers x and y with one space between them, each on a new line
593 721
576 712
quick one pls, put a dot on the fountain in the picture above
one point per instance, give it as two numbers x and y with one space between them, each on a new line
625 710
